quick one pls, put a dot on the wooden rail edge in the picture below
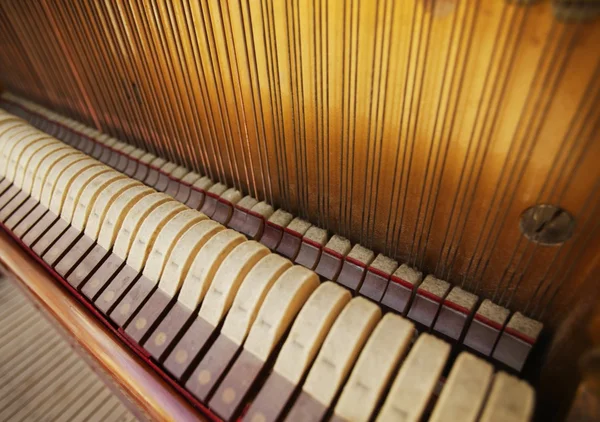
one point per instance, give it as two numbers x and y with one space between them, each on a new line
149 392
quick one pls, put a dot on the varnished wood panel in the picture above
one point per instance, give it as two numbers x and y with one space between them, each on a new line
42 377
148 392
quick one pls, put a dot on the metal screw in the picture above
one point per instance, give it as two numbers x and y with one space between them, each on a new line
547 224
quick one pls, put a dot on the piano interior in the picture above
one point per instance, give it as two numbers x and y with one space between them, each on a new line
342 210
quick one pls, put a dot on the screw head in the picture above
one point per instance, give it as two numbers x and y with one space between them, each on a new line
547 224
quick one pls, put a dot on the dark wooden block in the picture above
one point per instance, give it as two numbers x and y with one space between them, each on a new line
183 193
513 349
172 325
223 212
352 274
98 151
134 298
63 132
122 163
23 227
329 265
195 340
81 142
147 318
86 144
141 171
172 188
254 226
73 138
309 254
61 245
66 135
272 235
119 285
53 128
99 279
39 227
8 195
76 141
451 321
271 401
106 156
231 394
5 185
482 335
162 183
152 176
238 219
306 408
374 285
211 368
336 418
424 309
21 213
88 265
47 239
195 200
77 252
210 204
132 165
114 158
13 205
290 244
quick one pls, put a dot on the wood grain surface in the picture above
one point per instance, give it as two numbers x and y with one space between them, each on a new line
150 394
